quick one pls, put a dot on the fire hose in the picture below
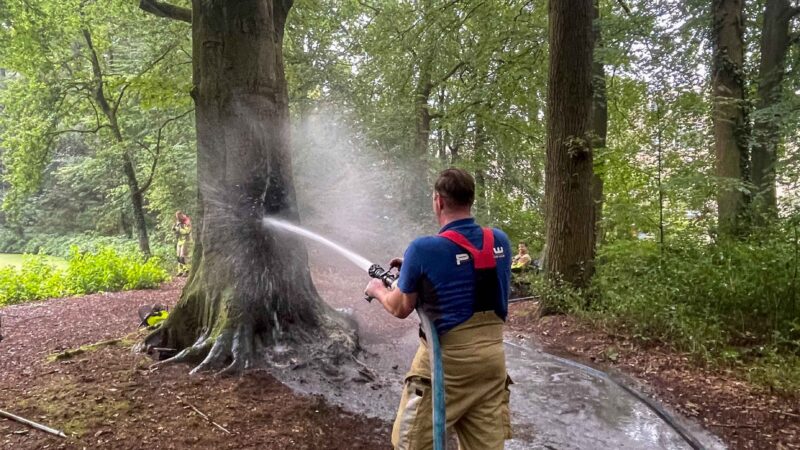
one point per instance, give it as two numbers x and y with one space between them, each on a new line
437 369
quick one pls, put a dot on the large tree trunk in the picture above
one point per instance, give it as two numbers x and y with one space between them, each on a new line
730 126
599 125
250 286
568 171
775 42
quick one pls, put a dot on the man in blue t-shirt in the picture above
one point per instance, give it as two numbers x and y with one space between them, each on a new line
460 279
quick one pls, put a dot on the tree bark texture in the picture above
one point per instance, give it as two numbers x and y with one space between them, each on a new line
599 124
729 115
568 170
775 41
250 286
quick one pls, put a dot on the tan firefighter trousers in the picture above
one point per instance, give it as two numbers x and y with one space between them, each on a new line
476 389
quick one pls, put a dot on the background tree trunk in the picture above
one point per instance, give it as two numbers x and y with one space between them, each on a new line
480 158
599 124
568 171
419 196
249 286
136 193
730 128
775 41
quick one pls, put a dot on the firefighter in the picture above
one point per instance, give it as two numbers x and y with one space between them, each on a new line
522 259
183 235
460 279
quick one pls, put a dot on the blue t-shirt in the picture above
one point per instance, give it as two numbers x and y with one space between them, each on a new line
443 274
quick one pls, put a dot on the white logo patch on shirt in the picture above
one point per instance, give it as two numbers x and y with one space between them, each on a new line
499 252
461 257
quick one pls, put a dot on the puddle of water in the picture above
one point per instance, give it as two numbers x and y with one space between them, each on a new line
554 406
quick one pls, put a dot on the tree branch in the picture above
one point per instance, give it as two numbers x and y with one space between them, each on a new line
166 10
119 99
157 152
368 6
624 6
449 74
95 130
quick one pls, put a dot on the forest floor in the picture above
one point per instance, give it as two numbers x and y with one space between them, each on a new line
106 396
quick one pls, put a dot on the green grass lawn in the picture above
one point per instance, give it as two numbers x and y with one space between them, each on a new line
15 259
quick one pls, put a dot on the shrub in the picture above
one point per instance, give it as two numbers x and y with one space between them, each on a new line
108 270
719 298
86 272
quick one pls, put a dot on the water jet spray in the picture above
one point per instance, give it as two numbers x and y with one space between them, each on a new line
388 278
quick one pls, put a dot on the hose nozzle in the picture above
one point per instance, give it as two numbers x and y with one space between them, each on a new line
386 276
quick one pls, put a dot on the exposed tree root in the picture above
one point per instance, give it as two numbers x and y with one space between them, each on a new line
236 350
192 354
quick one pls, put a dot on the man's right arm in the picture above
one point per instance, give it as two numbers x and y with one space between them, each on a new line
402 300
397 302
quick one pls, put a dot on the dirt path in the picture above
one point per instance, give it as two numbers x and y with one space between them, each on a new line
109 398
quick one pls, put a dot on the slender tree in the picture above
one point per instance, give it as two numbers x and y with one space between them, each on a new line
248 285
775 41
109 108
568 171
729 114
599 121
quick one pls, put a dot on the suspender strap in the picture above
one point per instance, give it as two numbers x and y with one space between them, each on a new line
483 258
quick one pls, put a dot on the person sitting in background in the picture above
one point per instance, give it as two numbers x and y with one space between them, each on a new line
522 259
183 234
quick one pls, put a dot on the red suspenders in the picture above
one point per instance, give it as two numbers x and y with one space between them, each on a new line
483 258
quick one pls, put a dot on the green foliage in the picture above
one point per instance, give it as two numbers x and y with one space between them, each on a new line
35 280
60 245
108 270
733 302
86 273
61 153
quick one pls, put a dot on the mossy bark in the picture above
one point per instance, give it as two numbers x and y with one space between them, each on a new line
249 287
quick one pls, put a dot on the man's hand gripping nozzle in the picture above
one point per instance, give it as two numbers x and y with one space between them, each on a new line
386 276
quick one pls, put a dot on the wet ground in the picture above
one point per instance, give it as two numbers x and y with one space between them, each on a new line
559 406
554 405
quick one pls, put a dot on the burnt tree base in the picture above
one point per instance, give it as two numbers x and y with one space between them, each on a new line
251 304
229 347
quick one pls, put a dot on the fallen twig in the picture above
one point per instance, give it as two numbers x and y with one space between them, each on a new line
785 413
203 415
31 423
735 425
67 354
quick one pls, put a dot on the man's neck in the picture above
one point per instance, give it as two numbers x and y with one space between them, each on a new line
450 217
